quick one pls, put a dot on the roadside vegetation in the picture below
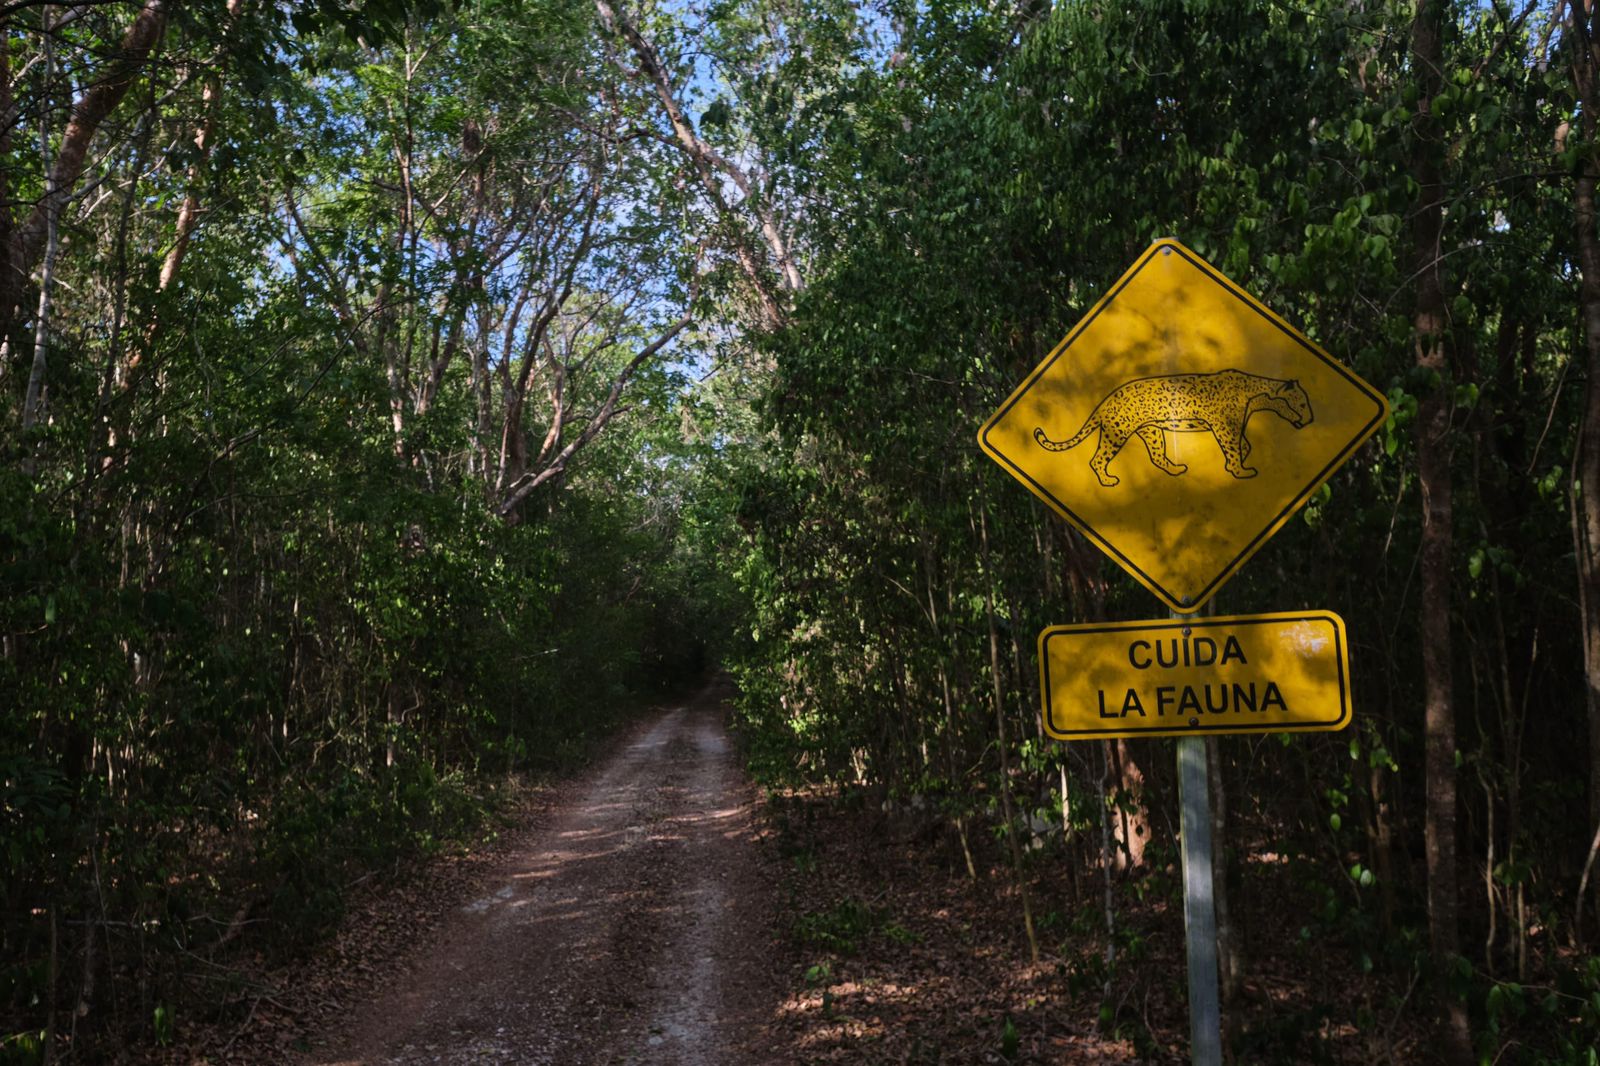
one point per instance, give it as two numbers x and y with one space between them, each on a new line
393 394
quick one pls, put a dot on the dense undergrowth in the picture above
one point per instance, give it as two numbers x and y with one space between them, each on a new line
203 760
904 953
1000 182
346 470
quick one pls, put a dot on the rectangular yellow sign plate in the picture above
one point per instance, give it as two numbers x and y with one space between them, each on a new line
1261 673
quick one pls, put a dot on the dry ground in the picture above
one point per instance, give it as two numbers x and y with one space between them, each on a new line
656 909
635 927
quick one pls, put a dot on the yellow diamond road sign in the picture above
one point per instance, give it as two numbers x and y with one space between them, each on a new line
1181 424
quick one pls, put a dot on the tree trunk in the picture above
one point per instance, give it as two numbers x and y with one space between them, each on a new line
1105 870
1132 825
1429 329
1586 465
33 400
1381 843
10 283
1000 726
26 242
204 137
189 211
1230 955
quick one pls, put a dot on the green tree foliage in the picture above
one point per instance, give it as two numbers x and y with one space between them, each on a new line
317 535
349 456
1010 166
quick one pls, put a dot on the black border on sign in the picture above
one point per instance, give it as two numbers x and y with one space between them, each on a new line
1273 524
1341 660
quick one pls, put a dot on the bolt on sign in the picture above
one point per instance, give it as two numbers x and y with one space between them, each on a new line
1265 673
1181 424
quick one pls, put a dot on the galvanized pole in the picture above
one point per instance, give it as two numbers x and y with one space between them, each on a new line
1199 908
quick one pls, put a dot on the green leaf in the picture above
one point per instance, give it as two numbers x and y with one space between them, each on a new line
1010 1039
162 1023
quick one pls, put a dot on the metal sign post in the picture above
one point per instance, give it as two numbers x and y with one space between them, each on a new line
1199 908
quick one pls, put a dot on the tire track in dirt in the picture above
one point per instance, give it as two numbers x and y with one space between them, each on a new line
636 928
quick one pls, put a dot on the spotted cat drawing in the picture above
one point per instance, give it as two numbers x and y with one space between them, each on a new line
1150 408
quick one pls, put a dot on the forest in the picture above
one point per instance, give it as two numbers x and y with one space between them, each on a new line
395 395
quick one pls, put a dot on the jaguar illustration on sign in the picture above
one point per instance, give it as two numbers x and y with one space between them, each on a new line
1220 404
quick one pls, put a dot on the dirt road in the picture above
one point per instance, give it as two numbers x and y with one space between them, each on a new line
635 928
